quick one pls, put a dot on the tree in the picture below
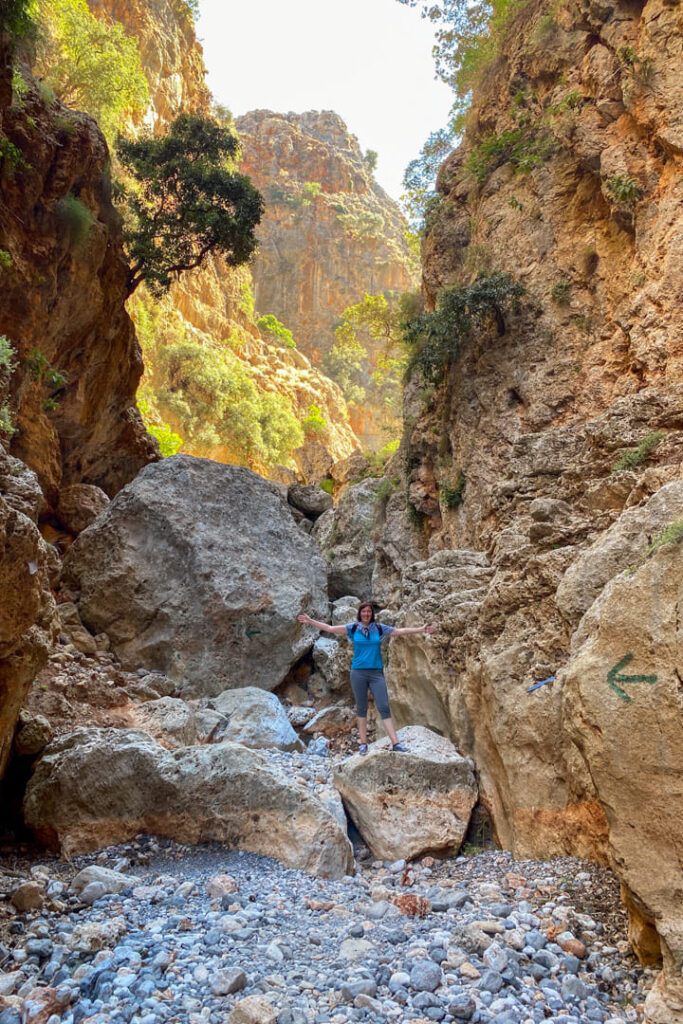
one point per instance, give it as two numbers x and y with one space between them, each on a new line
419 177
187 202
370 160
90 64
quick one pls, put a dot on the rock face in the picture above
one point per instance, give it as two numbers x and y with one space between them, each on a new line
197 570
26 603
405 805
72 395
329 235
623 699
565 427
321 249
103 786
345 536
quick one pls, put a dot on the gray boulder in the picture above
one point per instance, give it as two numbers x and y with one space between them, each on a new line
255 719
309 499
345 535
98 787
197 570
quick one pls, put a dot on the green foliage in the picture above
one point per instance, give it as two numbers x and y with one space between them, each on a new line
5 260
672 534
314 423
387 487
20 87
76 220
419 178
311 188
345 361
39 368
277 330
327 485
90 63
415 517
633 457
16 17
7 356
362 225
623 189
246 302
10 156
641 67
370 160
213 397
188 202
188 5
435 339
6 422
170 443
525 146
452 493
561 292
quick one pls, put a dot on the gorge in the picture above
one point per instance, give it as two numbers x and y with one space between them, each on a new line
533 510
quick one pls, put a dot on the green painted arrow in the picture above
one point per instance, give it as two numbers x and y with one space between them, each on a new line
614 677
253 632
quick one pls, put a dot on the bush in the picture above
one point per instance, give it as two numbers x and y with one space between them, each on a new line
452 495
76 219
327 485
314 423
436 338
672 534
6 423
561 292
526 146
633 457
169 442
623 189
7 356
15 17
277 330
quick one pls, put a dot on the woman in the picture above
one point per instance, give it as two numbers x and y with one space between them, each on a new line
367 669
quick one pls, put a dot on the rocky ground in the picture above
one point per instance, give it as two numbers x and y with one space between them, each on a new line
157 932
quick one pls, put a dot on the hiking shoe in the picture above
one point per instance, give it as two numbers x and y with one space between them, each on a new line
363 749
400 748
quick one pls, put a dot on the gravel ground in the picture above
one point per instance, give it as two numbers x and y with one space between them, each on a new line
196 932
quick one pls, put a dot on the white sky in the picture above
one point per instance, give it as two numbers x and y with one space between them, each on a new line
368 60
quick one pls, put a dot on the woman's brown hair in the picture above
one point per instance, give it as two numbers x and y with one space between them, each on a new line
366 605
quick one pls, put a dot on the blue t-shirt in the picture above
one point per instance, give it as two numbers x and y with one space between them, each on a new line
366 649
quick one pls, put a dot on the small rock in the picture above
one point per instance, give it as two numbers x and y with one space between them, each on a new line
28 896
425 976
253 1010
227 981
221 885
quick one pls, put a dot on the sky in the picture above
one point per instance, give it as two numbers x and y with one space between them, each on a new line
368 60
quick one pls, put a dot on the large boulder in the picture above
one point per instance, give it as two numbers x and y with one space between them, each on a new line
345 535
405 805
197 570
102 786
623 703
255 719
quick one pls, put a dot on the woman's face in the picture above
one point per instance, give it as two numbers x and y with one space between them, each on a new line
366 615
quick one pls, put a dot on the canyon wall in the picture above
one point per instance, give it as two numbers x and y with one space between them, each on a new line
543 472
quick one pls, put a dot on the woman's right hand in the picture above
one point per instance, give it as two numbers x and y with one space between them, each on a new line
304 618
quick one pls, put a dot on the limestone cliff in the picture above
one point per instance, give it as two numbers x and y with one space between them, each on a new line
549 459
72 394
330 233
209 305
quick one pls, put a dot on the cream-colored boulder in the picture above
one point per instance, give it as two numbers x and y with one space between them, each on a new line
171 721
624 707
254 718
99 787
407 804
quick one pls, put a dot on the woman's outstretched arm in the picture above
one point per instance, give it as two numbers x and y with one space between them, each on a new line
412 629
341 630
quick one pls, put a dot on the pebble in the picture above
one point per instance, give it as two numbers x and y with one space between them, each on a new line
205 935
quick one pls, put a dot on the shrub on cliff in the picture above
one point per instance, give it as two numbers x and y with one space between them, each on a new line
89 63
186 202
435 339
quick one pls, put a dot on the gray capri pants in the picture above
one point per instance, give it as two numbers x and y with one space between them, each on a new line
361 679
